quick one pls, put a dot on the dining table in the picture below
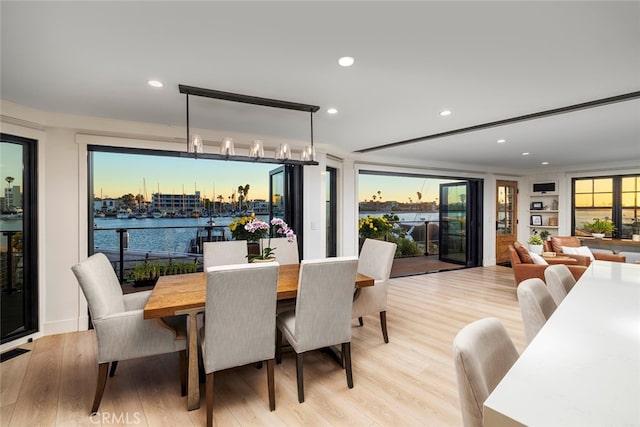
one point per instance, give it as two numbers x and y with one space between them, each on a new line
185 294
583 366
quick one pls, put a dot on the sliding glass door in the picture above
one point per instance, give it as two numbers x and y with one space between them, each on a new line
460 223
18 238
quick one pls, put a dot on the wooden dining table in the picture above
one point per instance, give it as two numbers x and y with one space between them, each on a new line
185 294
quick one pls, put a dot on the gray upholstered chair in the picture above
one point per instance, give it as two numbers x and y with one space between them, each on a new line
482 354
121 330
376 259
285 252
536 306
240 322
224 253
559 281
322 316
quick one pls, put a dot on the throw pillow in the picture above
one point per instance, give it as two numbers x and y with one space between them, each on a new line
523 253
582 250
537 259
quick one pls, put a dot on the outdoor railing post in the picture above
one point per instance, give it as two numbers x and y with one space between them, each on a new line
121 231
209 229
426 237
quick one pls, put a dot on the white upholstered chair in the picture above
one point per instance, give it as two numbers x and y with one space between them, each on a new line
376 259
322 316
285 252
121 330
482 354
224 253
240 322
536 306
559 281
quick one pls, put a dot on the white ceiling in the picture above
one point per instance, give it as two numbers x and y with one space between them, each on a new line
485 61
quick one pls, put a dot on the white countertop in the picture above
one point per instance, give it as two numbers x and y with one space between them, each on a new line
583 367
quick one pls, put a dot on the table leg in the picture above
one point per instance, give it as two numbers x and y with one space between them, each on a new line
193 382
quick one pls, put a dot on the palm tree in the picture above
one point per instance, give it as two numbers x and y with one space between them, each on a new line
240 196
9 180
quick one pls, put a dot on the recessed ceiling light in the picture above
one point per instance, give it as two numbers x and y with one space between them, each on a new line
501 141
526 153
332 111
545 163
346 61
445 113
155 83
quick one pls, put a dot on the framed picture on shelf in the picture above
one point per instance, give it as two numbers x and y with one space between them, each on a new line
535 206
536 220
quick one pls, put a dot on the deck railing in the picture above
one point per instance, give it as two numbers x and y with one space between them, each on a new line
127 246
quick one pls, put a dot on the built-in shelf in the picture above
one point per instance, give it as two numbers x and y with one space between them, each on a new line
543 226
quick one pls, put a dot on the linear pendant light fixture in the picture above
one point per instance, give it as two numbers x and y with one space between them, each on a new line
256 152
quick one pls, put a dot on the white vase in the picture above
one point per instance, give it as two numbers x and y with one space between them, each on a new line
270 259
597 235
536 249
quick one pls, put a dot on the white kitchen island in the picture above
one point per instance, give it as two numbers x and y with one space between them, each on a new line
583 367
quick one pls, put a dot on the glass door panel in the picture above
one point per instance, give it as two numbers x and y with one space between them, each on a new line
506 218
18 268
453 222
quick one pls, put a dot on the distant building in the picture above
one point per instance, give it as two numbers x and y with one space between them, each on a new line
12 200
258 206
177 202
105 205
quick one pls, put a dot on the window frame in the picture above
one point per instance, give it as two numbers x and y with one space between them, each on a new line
616 205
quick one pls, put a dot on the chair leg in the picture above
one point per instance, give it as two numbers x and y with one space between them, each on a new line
346 351
278 346
360 321
103 368
183 372
209 393
383 325
271 385
114 365
300 377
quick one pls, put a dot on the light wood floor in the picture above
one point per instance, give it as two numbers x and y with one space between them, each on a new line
408 382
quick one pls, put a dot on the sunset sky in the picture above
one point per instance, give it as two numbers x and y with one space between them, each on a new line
116 174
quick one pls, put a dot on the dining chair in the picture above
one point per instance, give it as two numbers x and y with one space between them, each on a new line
376 259
121 331
322 316
559 282
286 252
482 354
536 306
240 322
224 253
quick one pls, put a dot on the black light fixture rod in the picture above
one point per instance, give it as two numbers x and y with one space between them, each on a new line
532 116
246 99
188 136
311 119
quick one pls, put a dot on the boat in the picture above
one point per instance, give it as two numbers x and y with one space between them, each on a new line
123 213
157 213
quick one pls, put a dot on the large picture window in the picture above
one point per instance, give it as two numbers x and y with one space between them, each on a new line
153 209
615 198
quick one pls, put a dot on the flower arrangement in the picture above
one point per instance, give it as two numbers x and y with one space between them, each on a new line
374 227
248 228
280 229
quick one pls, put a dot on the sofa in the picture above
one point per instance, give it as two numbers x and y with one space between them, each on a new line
524 268
557 242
